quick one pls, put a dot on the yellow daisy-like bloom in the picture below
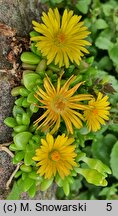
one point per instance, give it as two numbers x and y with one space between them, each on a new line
98 112
60 102
61 39
55 156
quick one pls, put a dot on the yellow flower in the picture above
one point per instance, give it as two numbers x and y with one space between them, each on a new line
60 102
97 113
61 39
55 156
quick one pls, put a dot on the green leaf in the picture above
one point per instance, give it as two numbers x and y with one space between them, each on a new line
113 127
13 147
80 156
101 147
83 5
19 119
70 179
25 119
108 191
19 172
26 66
66 186
10 122
46 183
114 160
33 175
77 185
106 33
27 184
17 110
31 99
33 33
59 181
19 101
16 191
41 67
97 165
103 43
93 176
32 191
24 92
19 156
37 139
25 103
101 24
21 139
16 91
29 80
107 9
34 108
30 58
24 174
25 168
113 53
105 63
29 153
55 1
20 128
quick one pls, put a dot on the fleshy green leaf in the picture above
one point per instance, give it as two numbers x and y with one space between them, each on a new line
19 156
17 110
25 168
32 191
97 165
27 184
66 187
31 99
20 128
93 176
59 181
16 191
25 119
29 80
29 153
21 139
33 175
30 58
46 183
10 122
114 160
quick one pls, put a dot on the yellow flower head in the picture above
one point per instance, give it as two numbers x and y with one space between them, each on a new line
60 102
98 112
61 39
55 156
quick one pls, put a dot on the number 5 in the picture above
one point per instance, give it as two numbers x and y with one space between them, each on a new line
109 207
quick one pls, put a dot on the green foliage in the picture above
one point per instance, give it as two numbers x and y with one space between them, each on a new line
83 5
16 191
114 160
46 184
97 153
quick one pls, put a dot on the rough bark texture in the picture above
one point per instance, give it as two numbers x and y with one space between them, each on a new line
15 24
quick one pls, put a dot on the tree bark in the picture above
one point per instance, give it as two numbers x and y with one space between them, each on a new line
15 24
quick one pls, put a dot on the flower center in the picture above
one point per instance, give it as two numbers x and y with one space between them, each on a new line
59 104
61 37
95 111
55 156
